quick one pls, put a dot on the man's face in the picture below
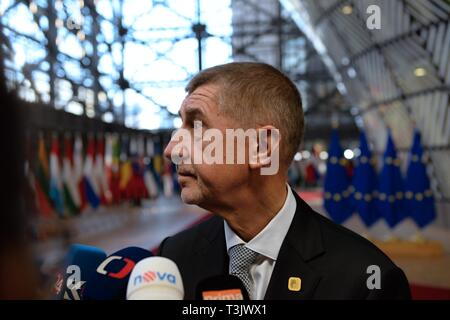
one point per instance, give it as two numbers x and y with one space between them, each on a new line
206 185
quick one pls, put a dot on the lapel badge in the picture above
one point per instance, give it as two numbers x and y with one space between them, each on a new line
294 284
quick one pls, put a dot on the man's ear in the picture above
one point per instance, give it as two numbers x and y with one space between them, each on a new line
267 144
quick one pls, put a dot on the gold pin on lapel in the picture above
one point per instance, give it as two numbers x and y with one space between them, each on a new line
294 284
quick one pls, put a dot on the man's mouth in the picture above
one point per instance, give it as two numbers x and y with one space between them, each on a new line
184 173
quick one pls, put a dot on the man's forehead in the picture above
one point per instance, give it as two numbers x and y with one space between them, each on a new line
203 98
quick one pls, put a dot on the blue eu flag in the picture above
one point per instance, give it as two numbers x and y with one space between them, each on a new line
365 185
336 183
419 197
391 187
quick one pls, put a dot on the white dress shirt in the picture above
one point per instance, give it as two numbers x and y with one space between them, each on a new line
267 244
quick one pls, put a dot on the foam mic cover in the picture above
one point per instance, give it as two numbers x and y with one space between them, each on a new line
155 278
221 287
77 270
110 280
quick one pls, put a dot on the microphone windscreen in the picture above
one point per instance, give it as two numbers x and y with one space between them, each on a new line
221 287
77 269
155 278
110 279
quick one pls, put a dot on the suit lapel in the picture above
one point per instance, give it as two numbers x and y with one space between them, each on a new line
288 267
302 244
211 248
216 255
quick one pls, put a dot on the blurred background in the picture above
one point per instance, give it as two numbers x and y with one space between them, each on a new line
90 93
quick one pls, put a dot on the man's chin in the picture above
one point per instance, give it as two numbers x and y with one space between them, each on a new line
189 196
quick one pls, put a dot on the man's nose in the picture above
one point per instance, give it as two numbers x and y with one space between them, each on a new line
175 155
168 150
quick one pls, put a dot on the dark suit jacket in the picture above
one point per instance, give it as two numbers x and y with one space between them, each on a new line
331 260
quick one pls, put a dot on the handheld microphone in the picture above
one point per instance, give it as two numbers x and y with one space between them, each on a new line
221 287
155 278
110 279
78 267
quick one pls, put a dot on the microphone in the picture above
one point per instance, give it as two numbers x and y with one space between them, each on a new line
78 267
221 287
110 279
155 278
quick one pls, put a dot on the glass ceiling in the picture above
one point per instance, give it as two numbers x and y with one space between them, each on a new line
126 61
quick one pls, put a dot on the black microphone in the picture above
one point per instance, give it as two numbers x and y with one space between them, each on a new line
78 268
221 287
111 278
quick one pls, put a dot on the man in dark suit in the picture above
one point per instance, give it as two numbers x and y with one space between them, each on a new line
261 231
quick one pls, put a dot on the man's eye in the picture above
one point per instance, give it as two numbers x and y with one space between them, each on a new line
188 124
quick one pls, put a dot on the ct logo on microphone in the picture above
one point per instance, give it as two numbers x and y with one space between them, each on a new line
122 273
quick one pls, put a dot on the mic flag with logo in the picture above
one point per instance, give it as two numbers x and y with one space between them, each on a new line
336 184
419 197
77 269
110 280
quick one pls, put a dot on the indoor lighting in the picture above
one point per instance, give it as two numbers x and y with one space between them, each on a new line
420 72
348 154
347 9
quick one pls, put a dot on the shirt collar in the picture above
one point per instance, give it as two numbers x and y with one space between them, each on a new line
268 241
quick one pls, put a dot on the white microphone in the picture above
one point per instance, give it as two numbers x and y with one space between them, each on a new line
155 278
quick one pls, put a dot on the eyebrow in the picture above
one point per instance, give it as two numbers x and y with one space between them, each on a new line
192 112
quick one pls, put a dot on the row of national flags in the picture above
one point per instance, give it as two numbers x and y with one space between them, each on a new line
69 174
387 194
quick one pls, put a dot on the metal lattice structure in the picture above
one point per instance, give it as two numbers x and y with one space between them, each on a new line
120 61
397 76
263 31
